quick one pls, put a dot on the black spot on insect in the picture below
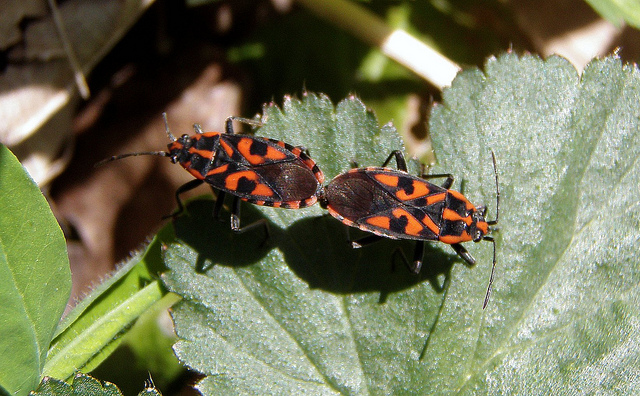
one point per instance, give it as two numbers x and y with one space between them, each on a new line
258 148
245 185
398 224
406 184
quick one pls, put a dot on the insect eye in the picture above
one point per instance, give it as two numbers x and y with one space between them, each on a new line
480 213
186 141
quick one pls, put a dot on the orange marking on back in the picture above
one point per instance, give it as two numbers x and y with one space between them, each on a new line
244 147
430 224
203 153
387 180
451 239
379 221
220 169
419 189
436 198
274 154
228 149
452 215
194 173
231 182
262 189
413 227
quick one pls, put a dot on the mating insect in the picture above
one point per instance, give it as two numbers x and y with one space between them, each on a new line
391 203
255 169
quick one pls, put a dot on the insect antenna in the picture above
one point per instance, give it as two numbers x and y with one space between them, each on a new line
493 270
166 127
121 156
489 238
495 171
156 153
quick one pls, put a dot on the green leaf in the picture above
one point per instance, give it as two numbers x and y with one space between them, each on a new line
302 311
617 11
94 327
564 313
34 274
145 352
83 384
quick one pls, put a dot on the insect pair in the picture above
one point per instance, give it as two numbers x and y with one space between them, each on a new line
386 202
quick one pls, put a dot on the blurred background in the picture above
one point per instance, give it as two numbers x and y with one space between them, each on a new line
81 80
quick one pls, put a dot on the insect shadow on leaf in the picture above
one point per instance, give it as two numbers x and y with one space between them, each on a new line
213 241
322 255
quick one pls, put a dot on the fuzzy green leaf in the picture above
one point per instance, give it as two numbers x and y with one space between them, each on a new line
564 313
302 311
34 274
83 384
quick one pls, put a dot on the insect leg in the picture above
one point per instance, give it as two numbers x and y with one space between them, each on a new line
402 165
462 252
418 253
229 123
447 183
369 239
182 189
400 161
235 220
417 259
415 266
219 202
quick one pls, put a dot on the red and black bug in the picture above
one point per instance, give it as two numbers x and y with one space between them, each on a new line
392 203
255 169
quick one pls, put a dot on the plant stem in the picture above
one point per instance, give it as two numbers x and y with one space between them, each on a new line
395 43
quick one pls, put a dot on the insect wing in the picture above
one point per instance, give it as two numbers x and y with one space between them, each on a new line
254 151
387 202
265 172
